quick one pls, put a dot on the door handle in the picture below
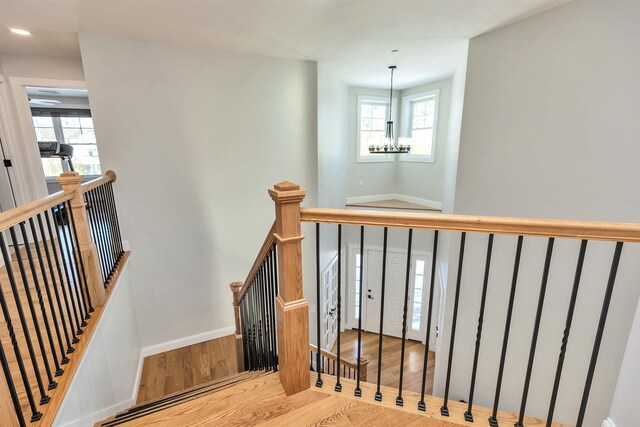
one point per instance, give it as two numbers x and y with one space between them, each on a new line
369 296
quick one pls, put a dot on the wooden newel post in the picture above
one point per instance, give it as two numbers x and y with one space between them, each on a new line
292 310
235 288
70 182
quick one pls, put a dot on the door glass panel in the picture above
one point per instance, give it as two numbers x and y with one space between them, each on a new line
416 312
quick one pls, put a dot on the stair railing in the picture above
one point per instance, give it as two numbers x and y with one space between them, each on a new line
330 364
292 311
51 291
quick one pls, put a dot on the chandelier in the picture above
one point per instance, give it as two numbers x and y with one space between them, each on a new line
390 146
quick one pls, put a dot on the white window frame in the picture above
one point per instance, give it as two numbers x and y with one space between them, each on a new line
373 158
407 116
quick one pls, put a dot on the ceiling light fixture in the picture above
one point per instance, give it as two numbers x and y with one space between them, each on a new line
20 32
390 145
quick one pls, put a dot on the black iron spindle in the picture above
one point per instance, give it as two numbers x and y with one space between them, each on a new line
536 330
95 231
273 291
338 386
114 210
378 395
30 303
399 399
600 331
110 226
468 415
245 353
318 303
11 386
267 313
444 410
54 285
358 390
493 420
567 330
68 298
23 323
422 406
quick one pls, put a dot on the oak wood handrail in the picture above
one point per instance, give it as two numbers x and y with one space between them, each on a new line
109 176
21 213
268 242
588 230
348 363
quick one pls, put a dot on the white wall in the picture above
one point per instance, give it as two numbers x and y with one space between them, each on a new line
44 67
550 130
107 378
196 138
624 408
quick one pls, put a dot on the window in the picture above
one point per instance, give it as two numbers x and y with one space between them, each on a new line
420 112
73 127
418 286
373 113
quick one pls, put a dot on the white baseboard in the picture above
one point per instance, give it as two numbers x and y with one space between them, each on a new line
432 204
90 420
608 422
187 341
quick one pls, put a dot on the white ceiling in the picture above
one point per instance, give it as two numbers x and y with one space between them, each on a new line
353 38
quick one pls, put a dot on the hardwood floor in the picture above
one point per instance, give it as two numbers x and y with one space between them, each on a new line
391 351
177 370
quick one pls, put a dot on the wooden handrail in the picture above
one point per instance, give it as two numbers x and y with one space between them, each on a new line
264 250
588 230
109 176
21 213
364 363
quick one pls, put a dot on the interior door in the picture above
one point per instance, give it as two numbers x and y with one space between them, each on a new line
7 198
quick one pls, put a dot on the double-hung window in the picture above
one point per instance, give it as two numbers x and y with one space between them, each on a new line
68 126
419 124
373 113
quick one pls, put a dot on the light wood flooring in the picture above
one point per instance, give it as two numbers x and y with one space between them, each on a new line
181 369
391 351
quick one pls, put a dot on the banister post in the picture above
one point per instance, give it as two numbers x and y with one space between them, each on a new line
235 288
70 182
364 367
292 310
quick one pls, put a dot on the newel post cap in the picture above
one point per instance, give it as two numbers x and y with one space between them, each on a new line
69 178
287 192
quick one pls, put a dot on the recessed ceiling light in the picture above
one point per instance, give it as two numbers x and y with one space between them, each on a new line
20 32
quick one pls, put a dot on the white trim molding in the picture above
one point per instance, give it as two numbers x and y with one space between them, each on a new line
187 341
431 204
608 422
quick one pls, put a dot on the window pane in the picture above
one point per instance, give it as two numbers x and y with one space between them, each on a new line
422 142
419 108
415 323
420 267
88 136
45 122
428 121
85 160
430 106
70 122
45 134
419 281
86 122
379 124
72 136
418 122
52 167
368 138
380 111
365 124
366 110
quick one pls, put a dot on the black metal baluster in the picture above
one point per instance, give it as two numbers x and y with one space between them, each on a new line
245 354
104 225
536 330
36 415
43 310
23 322
493 420
95 232
256 294
109 217
567 330
114 209
600 331
32 310
318 303
78 257
273 292
421 404
275 288
444 410
265 323
399 399
67 297
65 325
11 386
378 395
100 223
254 322
267 312
338 386
468 415
71 264
358 390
